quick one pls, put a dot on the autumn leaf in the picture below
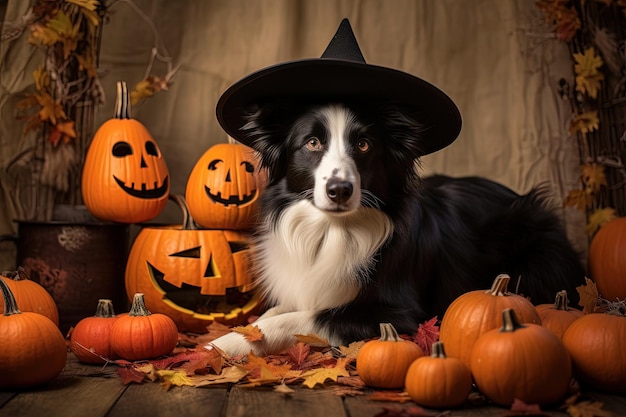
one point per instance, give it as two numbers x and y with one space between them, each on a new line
88 9
585 122
50 109
130 375
62 132
427 334
298 353
250 332
599 218
313 340
352 350
321 375
579 199
588 296
588 409
167 378
563 17
593 177
42 79
42 35
588 76
229 375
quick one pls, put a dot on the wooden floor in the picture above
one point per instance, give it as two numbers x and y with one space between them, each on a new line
94 391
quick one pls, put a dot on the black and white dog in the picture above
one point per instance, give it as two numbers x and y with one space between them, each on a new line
351 236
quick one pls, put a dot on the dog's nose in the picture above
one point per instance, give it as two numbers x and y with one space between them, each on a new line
338 191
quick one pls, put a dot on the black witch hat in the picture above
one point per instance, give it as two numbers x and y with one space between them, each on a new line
342 74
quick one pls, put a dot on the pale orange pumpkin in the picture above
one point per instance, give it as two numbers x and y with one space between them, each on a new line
125 177
596 344
559 316
224 186
195 276
384 362
477 312
607 259
30 296
521 361
438 381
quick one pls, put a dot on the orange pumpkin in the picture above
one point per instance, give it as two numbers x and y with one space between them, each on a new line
438 381
596 344
224 186
194 276
477 312
30 296
521 361
607 259
125 177
90 340
33 349
559 316
143 335
383 363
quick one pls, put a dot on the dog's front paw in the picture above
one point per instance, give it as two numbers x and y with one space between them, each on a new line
233 344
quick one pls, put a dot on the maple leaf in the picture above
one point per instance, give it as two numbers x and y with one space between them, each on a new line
62 132
176 378
321 375
214 330
588 409
568 25
313 340
50 109
593 177
588 76
250 332
298 353
588 296
352 350
585 122
229 375
130 375
42 35
599 218
427 334
578 198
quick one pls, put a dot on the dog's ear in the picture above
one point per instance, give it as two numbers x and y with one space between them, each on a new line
404 131
267 126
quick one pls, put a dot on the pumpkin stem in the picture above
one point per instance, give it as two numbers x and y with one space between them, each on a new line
139 306
18 275
105 308
561 302
10 305
438 351
188 222
500 285
389 333
122 102
510 323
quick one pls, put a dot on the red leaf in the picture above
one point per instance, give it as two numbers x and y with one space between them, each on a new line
130 375
427 334
298 353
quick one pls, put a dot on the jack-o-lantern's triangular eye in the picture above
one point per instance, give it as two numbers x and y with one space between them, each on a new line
188 253
121 149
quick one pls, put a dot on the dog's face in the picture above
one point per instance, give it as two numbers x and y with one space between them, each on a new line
337 156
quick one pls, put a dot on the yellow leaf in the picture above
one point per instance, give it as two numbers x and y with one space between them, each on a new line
61 24
42 79
587 72
320 375
50 109
231 374
588 296
593 177
585 122
177 378
90 5
352 349
250 332
599 218
577 198
85 63
313 340
142 90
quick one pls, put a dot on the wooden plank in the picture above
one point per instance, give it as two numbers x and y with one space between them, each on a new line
305 402
151 399
66 396
5 396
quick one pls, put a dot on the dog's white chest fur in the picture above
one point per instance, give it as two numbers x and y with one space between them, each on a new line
312 260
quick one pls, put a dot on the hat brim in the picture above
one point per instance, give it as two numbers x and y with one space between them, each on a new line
314 80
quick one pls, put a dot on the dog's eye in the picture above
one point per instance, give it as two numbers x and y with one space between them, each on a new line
314 144
363 145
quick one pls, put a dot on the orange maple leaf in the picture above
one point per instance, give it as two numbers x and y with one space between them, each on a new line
321 375
250 332
313 340
588 296
577 198
585 122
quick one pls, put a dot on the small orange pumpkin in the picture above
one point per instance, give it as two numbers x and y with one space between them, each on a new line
30 296
559 316
195 276
477 312
33 349
383 363
90 340
125 177
143 335
224 186
596 344
437 381
521 361
607 259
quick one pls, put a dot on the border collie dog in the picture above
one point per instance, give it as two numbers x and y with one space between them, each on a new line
351 236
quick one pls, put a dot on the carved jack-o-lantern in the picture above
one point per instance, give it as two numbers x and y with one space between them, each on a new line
224 187
125 178
195 276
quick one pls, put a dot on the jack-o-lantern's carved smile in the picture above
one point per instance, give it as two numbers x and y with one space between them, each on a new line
233 199
189 296
144 191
